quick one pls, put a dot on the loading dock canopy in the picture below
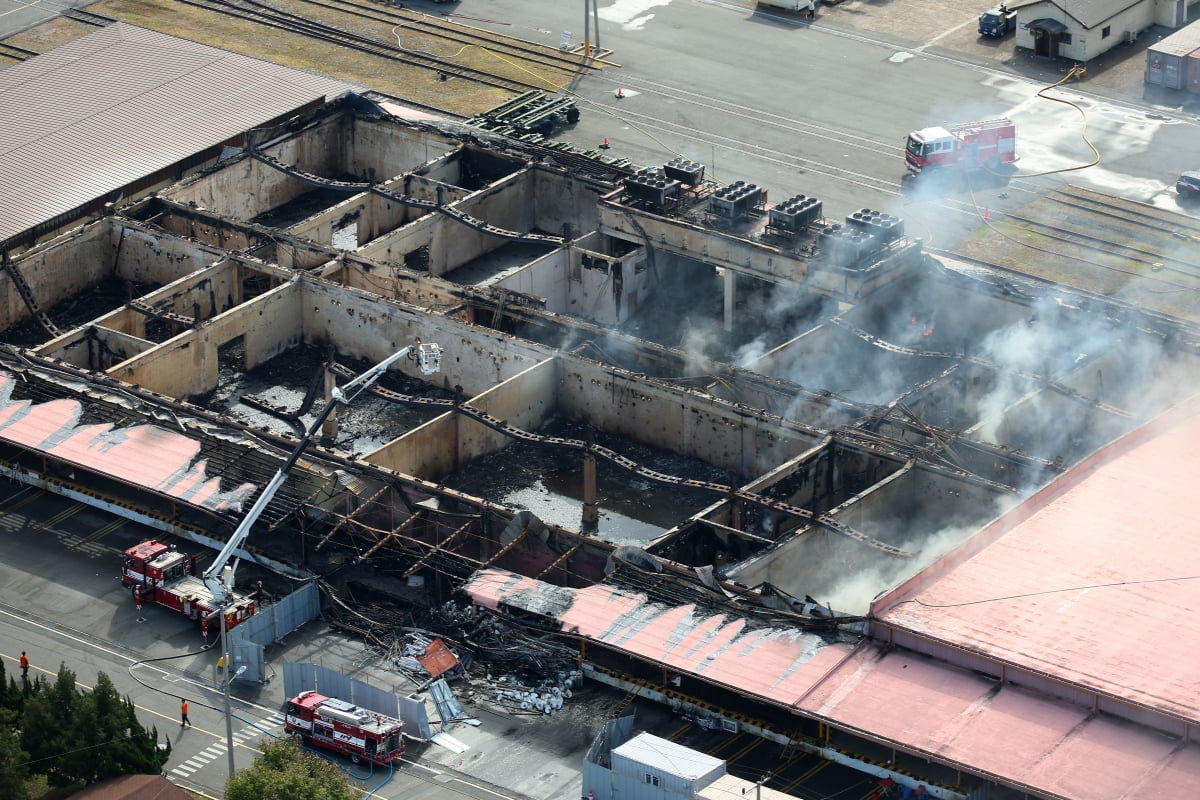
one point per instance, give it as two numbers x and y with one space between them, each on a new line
1049 26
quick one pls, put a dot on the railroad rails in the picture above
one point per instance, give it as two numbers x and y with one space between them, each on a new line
1095 222
278 19
15 53
461 36
87 17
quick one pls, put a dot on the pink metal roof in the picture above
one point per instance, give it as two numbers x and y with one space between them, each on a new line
143 455
1093 580
109 108
955 716
779 665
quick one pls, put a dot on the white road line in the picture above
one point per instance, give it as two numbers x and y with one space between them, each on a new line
944 34
54 631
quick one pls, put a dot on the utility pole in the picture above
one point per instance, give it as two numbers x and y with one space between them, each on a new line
219 576
587 28
228 680
591 17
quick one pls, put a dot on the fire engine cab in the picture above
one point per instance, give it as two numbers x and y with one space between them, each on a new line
345 728
989 142
159 574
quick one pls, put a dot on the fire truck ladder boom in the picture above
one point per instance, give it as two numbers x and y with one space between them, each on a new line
428 358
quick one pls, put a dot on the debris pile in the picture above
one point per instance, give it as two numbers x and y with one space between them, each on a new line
519 669
546 697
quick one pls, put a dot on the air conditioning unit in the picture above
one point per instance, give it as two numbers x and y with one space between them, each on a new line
1131 37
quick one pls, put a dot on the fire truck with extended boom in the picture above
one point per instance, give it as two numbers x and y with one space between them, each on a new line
988 143
159 574
344 728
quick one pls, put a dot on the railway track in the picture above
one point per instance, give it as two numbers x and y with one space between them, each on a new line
14 53
262 14
1154 259
461 35
1101 205
88 18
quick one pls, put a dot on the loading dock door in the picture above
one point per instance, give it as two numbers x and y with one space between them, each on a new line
1046 36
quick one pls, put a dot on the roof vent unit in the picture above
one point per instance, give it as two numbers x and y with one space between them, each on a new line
883 227
722 203
736 200
651 186
846 246
751 197
685 171
795 214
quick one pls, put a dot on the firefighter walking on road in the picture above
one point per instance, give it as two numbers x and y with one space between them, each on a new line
24 666
183 717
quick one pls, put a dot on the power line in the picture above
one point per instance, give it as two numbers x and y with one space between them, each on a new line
1049 591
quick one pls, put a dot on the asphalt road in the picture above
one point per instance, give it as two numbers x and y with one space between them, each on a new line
63 604
824 109
17 15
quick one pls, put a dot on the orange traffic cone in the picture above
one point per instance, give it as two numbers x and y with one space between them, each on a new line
620 94
604 144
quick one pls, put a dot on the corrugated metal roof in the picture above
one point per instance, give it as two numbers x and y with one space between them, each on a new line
119 104
777 664
1093 580
1090 13
158 459
1056 748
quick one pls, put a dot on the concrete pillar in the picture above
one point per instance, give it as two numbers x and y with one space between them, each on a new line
730 297
330 427
591 514
373 210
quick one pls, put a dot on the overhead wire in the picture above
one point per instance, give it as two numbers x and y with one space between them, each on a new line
1063 590
1078 72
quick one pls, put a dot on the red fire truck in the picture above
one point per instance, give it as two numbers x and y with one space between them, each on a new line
345 728
159 574
989 142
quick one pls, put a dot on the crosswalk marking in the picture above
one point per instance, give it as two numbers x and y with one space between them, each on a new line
218 749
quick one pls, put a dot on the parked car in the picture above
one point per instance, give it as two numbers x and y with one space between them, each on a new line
1188 185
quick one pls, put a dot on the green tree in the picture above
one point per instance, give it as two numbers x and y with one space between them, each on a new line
285 772
74 736
14 762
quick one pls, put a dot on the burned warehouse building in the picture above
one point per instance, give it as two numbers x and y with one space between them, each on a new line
773 464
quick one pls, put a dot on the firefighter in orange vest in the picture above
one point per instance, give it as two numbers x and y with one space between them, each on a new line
24 666
183 709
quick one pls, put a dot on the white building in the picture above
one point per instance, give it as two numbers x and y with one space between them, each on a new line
1084 29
